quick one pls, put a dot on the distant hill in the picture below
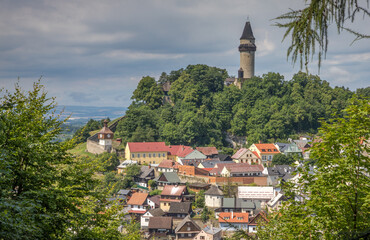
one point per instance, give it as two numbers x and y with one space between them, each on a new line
82 114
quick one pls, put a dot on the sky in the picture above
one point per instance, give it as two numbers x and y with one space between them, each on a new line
94 53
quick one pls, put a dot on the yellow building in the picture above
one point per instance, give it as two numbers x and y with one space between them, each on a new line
146 152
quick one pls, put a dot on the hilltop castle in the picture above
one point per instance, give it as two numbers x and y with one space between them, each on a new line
247 48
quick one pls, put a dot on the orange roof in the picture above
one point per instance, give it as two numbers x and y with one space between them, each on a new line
235 217
147 146
256 153
267 148
207 150
137 199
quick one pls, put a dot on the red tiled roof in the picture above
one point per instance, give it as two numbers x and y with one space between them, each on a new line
166 164
239 153
173 190
244 167
183 152
207 169
265 147
207 150
235 217
147 146
137 199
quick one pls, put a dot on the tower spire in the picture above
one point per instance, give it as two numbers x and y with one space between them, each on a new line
247 49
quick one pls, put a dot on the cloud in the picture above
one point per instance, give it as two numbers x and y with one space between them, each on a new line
81 47
83 98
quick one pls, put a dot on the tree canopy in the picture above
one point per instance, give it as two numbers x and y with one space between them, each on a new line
330 201
308 27
203 111
45 193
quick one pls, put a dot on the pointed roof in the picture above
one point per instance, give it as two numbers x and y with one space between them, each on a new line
214 190
137 199
186 220
170 177
261 216
208 151
247 32
105 129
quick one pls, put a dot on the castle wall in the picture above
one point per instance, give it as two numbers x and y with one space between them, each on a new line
94 147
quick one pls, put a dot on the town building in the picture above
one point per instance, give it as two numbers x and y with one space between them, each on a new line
233 221
213 197
160 228
261 194
171 194
138 203
187 229
242 170
245 155
144 221
167 178
209 233
266 151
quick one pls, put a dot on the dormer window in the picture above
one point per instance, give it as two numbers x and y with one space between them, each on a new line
240 218
263 150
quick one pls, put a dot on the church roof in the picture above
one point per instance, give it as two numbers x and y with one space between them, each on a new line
247 32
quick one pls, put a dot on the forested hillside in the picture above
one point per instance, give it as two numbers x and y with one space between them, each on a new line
202 109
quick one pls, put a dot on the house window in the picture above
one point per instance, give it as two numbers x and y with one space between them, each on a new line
189 234
153 154
138 155
164 154
240 218
143 154
150 155
202 237
133 155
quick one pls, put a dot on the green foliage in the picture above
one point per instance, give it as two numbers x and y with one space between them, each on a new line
132 170
308 27
205 215
152 184
109 161
332 203
155 192
149 92
281 159
44 192
203 110
83 133
199 200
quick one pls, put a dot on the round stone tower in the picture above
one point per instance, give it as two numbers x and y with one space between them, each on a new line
247 48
